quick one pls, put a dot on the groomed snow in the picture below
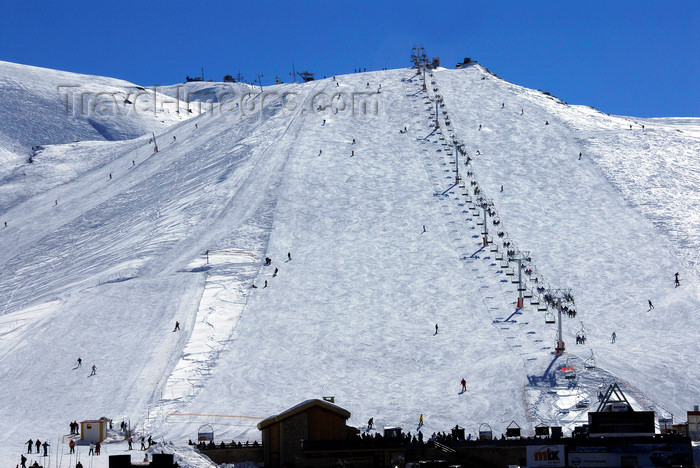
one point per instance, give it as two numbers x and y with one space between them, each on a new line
105 246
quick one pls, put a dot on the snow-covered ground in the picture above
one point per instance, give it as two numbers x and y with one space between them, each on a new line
42 107
105 246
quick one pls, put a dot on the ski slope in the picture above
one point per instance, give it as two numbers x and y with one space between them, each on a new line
46 107
105 246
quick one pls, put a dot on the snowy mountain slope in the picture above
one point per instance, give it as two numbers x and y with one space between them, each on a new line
614 226
106 273
41 107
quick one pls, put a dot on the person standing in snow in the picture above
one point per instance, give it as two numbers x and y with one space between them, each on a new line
651 306
23 460
80 362
143 446
370 423
678 283
78 465
613 337
131 441
71 445
436 328
177 326
94 370
289 256
38 446
46 446
464 385
579 156
265 284
30 444
92 449
420 420
97 448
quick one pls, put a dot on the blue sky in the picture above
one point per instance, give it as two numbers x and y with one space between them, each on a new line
638 58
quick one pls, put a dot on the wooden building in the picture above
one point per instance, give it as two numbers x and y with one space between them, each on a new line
311 420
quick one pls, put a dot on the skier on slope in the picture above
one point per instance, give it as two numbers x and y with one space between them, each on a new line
46 446
289 255
436 328
464 385
80 362
38 446
678 283
370 423
94 370
30 444
613 337
276 271
651 306
177 326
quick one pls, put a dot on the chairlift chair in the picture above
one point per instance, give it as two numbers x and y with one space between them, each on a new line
494 246
528 294
513 430
548 316
510 272
590 362
569 371
581 402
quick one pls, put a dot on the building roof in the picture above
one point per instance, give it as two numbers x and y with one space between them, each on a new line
301 407
92 421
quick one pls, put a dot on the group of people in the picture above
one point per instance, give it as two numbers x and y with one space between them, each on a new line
92 372
211 445
74 427
268 262
39 445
